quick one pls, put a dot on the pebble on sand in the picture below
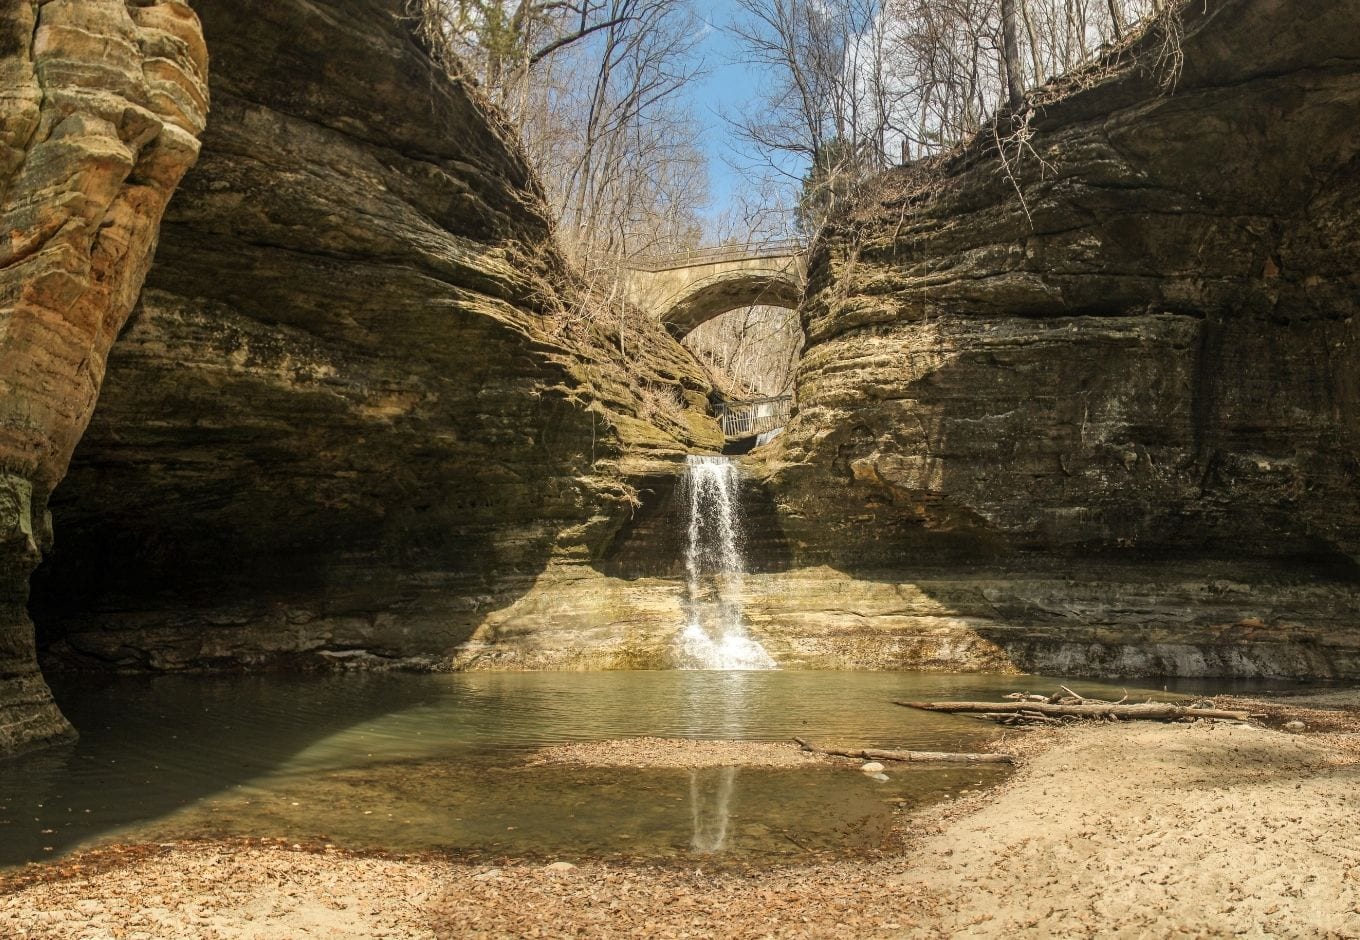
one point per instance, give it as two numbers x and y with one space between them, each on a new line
872 767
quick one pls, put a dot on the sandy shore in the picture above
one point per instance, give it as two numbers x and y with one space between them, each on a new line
1127 830
676 753
1152 831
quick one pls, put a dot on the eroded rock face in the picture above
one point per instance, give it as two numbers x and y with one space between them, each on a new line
1109 430
346 421
101 102
1140 379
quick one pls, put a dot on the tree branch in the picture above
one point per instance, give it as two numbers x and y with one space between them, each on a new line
567 40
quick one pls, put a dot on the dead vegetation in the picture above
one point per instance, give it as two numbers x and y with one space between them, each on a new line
907 757
1152 47
1067 707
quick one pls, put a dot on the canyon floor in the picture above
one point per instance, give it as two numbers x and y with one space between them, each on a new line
1131 830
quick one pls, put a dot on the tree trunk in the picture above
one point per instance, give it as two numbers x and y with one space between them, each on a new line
1010 51
1033 34
1116 20
870 753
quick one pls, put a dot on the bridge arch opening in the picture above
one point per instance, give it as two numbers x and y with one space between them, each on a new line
750 354
685 291
733 307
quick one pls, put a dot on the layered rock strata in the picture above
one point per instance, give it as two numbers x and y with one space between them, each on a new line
1096 414
1107 427
1111 366
1105 617
101 102
363 402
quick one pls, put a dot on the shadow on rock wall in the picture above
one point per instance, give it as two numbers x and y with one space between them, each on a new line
339 423
1123 416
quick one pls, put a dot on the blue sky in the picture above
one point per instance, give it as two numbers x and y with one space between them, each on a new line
729 85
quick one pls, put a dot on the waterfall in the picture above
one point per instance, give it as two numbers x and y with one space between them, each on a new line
715 636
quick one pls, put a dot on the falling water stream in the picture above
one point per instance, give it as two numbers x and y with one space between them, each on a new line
715 635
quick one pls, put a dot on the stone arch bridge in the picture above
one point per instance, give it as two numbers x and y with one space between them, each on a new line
686 290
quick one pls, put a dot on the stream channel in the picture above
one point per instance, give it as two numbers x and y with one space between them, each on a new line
412 763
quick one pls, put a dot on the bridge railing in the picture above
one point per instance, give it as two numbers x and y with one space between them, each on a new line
748 418
720 254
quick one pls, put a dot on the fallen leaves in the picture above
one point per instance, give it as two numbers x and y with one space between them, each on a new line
1141 831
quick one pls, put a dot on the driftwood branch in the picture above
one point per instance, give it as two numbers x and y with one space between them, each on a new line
870 753
1085 708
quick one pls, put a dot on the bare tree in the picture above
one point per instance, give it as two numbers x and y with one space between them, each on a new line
853 85
751 351
1010 50
824 102
497 42
627 181
593 87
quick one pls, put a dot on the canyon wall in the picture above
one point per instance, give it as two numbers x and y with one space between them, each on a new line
361 403
1093 408
1090 409
1093 393
100 105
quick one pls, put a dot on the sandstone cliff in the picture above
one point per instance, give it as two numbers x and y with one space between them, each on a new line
358 407
100 105
1115 394
1106 428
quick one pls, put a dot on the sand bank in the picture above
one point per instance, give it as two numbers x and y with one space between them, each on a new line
1106 830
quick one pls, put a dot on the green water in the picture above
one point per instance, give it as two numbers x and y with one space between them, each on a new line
414 763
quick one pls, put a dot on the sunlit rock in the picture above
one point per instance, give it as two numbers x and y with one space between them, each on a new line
101 102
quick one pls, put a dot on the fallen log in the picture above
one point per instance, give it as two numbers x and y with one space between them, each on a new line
870 753
1145 711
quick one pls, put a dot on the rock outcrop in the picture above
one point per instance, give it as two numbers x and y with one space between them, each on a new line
1113 390
1094 414
1106 425
360 405
101 102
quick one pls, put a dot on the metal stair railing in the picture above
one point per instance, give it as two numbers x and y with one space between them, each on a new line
748 418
